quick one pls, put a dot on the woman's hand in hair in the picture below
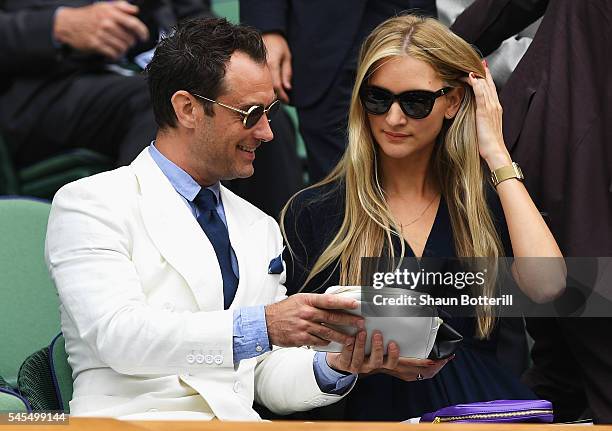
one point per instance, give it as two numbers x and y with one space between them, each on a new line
489 121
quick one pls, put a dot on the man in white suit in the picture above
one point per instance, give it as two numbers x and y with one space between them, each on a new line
164 275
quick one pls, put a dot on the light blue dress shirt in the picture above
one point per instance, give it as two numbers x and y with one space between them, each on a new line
250 332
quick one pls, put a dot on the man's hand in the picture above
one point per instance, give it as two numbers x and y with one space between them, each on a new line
107 28
279 62
352 360
300 320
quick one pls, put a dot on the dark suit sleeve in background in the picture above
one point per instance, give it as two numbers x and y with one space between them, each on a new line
487 23
191 8
266 15
25 40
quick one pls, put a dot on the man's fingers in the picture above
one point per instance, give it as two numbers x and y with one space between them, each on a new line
125 7
111 27
332 302
286 72
329 334
112 46
134 25
337 318
108 51
313 340
274 66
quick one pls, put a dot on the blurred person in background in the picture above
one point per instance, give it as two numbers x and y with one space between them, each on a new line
312 53
503 60
512 349
558 126
69 74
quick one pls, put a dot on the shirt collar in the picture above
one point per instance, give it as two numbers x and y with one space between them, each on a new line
182 182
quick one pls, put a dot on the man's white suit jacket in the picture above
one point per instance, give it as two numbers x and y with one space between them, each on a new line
142 303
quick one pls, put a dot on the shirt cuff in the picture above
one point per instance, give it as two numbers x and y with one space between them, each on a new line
329 380
250 333
56 43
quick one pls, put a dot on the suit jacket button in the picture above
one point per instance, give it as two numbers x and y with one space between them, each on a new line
218 359
190 359
199 359
209 359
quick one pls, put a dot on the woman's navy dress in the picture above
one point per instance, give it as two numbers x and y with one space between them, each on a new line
475 374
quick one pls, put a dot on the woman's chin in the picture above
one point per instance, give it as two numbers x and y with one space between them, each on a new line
398 152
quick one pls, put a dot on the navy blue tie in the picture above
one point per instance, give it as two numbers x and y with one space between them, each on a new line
217 233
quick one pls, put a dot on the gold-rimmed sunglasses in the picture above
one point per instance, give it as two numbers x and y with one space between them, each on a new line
251 116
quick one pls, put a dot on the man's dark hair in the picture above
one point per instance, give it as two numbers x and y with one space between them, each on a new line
193 58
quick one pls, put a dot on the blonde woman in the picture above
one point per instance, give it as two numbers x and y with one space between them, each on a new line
424 135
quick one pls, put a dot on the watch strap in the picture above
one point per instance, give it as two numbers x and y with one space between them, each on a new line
506 172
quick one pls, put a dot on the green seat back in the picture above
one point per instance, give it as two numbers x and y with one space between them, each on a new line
35 382
229 9
10 402
29 316
62 372
44 178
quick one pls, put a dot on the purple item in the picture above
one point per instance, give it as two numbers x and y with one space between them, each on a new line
494 411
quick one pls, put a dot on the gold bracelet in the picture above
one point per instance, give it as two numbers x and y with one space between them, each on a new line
505 173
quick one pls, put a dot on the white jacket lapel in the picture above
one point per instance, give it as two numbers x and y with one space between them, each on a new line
177 234
238 226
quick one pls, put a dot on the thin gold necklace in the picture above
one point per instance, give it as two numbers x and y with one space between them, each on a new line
419 217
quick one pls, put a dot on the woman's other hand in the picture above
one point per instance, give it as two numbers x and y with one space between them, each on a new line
410 369
352 359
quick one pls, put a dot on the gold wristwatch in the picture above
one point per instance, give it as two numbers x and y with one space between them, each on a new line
506 172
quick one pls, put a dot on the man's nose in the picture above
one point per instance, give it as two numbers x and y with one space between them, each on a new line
262 131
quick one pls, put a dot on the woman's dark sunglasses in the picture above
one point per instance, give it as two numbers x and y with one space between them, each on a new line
251 116
415 103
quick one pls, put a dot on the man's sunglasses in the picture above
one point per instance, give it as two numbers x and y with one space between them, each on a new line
251 116
415 103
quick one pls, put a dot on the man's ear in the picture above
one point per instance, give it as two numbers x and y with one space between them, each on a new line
454 98
185 108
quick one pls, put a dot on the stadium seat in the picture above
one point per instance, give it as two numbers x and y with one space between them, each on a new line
44 178
61 372
11 401
35 382
29 314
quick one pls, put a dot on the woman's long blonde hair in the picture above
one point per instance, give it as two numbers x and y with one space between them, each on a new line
368 226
